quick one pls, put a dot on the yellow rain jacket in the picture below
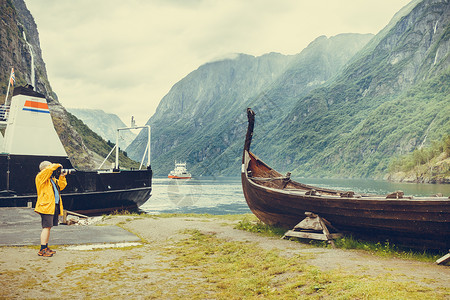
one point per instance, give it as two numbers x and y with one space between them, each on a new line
46 196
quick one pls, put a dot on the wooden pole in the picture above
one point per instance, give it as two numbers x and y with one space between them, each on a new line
9 83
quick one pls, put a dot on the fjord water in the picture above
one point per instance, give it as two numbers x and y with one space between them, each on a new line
210 195
223 195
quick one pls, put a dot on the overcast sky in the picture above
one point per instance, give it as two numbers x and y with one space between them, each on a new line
124 56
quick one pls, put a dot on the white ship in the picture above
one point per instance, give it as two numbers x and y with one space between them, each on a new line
30 138
180 171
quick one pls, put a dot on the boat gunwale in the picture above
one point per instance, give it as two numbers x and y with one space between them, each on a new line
365 197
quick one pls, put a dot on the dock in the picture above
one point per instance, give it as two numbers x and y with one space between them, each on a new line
22 227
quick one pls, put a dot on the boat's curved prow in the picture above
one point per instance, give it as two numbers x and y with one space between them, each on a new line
251 124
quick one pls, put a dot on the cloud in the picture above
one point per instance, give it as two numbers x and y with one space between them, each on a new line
124 56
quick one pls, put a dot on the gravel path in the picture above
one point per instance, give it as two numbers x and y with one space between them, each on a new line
136 271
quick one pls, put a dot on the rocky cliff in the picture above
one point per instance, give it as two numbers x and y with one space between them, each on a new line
18 32
20 49
17 24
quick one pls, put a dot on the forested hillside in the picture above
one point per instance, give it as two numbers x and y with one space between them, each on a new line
345 106
428 164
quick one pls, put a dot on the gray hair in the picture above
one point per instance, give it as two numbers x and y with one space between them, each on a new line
44 164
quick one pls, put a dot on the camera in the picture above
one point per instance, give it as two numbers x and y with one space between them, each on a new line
68 171
58 172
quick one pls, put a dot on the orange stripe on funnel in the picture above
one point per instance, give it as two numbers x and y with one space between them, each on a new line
35 104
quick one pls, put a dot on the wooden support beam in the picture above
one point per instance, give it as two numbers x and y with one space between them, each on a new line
326 232
443 260
75 214
68 212
312 235
315 222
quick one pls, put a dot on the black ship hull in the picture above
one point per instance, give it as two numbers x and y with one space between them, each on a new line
87 192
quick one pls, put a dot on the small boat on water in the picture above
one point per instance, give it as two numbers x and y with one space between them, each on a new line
180 171
276 199
30 138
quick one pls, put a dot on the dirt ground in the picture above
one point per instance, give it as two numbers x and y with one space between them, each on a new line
140 271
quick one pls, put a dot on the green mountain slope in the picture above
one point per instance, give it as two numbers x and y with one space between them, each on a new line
355 141
333 111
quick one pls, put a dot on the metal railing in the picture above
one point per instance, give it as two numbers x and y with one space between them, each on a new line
4 112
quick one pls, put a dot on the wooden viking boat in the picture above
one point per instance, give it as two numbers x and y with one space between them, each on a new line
278 200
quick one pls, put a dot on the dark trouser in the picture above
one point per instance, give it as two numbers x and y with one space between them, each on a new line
50 220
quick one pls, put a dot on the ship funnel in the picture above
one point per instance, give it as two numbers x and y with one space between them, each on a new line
30 129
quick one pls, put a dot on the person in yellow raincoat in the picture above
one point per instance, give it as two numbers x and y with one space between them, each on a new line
49 183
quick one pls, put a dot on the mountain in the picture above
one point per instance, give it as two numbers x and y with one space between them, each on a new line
201 119
392 98
104 124
345 106
20 49
312 68
200 103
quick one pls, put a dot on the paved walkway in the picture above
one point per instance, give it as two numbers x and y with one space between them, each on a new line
22 226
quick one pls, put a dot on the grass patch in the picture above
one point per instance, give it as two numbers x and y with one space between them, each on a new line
251 224
384 249
240 270
125 212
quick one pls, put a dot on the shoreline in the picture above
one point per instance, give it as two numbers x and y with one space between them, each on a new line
177 256
404 177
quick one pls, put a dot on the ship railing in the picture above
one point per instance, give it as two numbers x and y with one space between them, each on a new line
4 114
116 147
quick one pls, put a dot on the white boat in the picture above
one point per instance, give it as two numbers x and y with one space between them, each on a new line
180 171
